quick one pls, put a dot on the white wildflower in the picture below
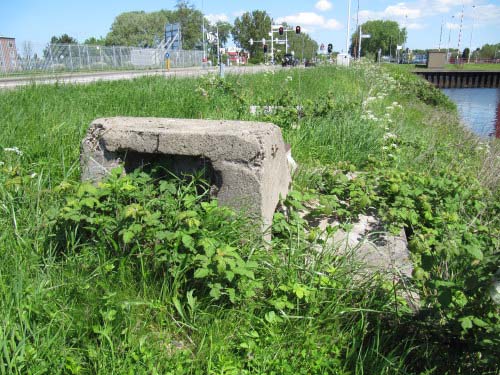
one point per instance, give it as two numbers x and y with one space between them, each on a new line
13 149
390 136
33 175
289 78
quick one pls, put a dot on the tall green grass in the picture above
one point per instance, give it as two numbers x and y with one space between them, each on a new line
81 306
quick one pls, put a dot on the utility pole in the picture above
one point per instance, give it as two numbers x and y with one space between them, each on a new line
360 38
348 29
441 34
357 25
449 38
471 31
272 44
203 32
460 32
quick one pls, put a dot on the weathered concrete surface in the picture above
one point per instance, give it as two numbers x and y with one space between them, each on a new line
248 158
373 249
372 245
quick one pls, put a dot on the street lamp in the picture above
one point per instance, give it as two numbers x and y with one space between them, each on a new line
348 27
471 31
449 38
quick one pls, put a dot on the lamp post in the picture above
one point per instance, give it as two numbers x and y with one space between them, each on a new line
348 27
203 33
471 31
449 38
460 32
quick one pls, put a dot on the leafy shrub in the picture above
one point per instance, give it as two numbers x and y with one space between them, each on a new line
452 225
169 226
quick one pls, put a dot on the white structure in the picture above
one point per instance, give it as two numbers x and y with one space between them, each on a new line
343 59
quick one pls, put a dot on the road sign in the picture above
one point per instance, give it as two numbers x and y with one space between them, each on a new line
167 55
173 36
366 36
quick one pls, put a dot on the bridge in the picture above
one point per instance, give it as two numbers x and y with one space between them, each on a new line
448 79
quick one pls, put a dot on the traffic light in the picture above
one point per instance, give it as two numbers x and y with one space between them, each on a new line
330 47
280 30
265 48
297 29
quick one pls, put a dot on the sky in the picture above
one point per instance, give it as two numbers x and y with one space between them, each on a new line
427 21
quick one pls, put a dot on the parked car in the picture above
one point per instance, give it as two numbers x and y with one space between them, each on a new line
289 60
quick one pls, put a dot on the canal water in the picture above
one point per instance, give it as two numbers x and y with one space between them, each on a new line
479 109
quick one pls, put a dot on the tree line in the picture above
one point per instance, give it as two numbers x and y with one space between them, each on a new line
146 29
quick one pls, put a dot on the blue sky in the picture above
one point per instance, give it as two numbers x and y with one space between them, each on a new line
325 20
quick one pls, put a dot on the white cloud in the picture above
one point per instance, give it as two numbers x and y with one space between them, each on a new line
310 21
452 26
333 24
416 10
486 14
402 10
214 18
238 13
415 26
323 5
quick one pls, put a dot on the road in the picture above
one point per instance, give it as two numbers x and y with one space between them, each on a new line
82 78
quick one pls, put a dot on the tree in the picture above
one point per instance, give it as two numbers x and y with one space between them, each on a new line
143 29
488 51
63 39
224 31
466 53
138 28
191 21
384 35
255 25
93 41
301 44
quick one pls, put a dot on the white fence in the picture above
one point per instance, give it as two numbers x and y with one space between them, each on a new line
81 57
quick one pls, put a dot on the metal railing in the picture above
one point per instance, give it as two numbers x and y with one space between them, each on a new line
80 57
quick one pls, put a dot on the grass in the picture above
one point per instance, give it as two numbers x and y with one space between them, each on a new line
474 67
94 303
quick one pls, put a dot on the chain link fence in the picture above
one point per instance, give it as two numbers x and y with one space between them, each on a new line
80 57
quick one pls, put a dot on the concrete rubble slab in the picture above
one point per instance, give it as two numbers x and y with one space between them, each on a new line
248 162
372 245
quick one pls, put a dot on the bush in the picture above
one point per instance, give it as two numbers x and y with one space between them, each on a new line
169 226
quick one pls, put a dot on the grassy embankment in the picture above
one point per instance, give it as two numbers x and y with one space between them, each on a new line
93 282
473 67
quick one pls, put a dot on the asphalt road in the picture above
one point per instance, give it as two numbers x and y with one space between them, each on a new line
82 78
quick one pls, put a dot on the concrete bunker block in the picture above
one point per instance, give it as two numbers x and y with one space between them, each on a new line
247 160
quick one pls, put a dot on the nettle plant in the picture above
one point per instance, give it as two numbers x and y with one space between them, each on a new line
169 226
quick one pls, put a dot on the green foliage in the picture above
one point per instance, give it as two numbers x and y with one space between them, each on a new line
224 29
63 39
139 28
93 281
452 224
166 224
488 51
384 34
252 25
93 41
